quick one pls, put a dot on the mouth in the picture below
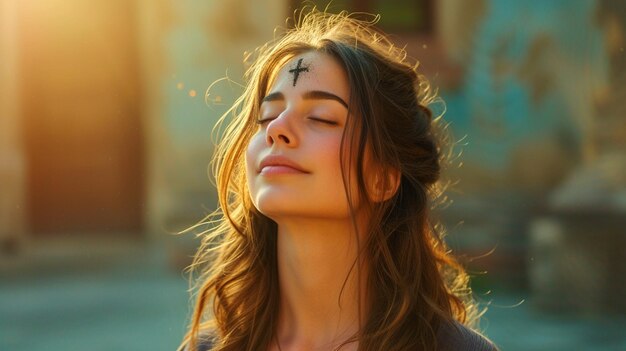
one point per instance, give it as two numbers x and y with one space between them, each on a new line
278 169
276 164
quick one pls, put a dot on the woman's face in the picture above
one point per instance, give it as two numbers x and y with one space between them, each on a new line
293 163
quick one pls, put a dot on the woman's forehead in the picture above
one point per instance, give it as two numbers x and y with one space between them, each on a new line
312 71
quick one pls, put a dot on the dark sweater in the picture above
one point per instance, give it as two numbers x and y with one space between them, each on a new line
459 337
451 337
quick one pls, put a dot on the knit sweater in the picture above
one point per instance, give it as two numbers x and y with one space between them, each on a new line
459 337
451 337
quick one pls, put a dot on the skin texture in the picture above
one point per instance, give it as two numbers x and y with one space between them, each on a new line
293 130
316 238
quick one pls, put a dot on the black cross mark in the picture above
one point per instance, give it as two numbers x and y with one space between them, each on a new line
296 71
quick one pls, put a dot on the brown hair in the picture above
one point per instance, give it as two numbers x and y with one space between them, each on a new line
414 284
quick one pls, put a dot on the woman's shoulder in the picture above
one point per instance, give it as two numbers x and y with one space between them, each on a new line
452 336
205 343
456 336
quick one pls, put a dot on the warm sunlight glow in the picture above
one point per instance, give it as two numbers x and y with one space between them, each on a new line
80 98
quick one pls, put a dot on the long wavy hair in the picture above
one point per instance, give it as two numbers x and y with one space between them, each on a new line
414 283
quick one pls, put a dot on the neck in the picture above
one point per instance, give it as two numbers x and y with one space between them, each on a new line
321 287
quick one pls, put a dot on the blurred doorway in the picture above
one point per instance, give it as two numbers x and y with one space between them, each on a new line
80 103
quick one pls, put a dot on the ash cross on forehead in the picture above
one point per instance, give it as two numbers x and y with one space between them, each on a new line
296 71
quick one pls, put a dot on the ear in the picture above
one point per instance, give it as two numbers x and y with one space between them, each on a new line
384 184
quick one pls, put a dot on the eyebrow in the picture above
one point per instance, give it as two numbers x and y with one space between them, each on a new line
309 95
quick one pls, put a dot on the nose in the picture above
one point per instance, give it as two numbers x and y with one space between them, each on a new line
279 131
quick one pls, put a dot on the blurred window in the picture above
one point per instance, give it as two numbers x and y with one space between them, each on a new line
397 16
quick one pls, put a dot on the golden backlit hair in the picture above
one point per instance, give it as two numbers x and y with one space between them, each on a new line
414 283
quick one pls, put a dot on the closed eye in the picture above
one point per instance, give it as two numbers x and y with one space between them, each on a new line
325 121
317 119
264 120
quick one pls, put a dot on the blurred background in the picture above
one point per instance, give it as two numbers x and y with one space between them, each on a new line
105 141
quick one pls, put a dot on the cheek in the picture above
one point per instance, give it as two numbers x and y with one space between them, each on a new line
327 156
252 154
330 165
351 169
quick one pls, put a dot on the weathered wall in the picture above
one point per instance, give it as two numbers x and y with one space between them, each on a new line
185 47
525 113
12 221
533 74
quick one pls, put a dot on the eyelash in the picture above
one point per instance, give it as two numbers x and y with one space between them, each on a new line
263 121
325 121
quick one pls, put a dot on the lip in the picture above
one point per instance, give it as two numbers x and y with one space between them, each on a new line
277 164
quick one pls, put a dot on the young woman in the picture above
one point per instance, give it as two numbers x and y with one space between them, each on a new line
326 176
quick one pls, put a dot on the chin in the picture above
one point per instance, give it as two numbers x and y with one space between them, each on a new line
271 205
